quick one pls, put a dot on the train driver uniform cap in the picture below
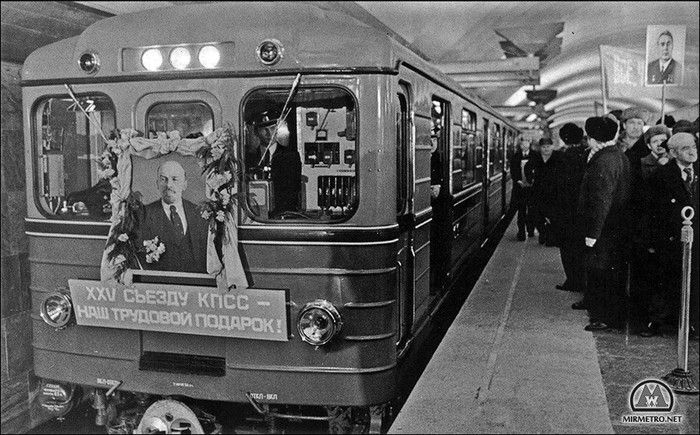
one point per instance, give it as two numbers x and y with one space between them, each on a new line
571 133
632 112
601 128
546 141
266 118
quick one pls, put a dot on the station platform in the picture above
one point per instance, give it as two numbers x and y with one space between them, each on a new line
517 359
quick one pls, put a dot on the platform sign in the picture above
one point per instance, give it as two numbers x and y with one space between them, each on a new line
244 313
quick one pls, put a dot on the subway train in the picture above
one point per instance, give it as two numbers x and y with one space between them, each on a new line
304 311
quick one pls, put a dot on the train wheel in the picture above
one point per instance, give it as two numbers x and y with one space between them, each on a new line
379 418
342 420
169 416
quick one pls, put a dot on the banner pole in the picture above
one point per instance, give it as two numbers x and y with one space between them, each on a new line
602 80
663 102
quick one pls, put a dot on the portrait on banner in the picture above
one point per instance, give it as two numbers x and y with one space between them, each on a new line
665 55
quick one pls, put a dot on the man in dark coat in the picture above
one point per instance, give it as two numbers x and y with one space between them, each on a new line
176 222
672 187
281 161
568 185
521 196
545 169
603 218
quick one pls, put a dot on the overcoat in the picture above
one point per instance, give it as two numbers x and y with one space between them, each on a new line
602 212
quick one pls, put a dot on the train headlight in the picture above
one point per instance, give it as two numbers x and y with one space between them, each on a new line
270 52
209 56
89 62
180 57
318 322
57 310
152 59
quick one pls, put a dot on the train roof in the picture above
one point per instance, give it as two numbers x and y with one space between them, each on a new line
337 42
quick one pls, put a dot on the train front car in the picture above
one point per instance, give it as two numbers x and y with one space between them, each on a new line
272 139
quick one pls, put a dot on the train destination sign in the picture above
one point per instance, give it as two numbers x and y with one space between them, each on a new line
244 313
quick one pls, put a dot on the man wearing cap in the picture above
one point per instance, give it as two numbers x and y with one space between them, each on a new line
545 169
280 160
568 185
177 224
663 69
602 215
654 137
521 196
671 188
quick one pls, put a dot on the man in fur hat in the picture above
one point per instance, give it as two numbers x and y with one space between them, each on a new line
602 215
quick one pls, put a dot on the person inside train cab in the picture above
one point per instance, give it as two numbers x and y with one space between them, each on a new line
435 162
176 222
279 161
663 69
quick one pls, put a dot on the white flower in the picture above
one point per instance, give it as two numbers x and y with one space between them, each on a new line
220 216
206 214
123 237
228 175
119 259
225 197
217 152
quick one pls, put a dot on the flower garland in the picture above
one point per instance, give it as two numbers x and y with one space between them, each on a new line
222 171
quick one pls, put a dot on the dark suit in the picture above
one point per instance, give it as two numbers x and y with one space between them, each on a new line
182 254
656 77
521 197
602 214
668 195
286 178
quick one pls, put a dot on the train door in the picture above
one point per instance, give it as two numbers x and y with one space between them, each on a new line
441 228
405 215
487 171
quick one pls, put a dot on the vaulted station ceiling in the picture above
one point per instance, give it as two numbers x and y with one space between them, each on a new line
500 50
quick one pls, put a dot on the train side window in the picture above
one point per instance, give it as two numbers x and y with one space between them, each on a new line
70 182
464 161
300 157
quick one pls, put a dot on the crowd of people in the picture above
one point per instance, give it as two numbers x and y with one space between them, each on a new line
610 198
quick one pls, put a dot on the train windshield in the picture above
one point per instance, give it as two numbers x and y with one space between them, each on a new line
300 154
71 183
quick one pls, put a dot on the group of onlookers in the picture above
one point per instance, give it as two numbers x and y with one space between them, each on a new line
611 198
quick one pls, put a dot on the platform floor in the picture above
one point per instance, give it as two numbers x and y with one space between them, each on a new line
517 360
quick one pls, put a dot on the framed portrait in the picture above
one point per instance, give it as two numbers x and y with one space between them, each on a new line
665 55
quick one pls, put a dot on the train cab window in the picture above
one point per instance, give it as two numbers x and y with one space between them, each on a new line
190 119
464 157
70 183
300 154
